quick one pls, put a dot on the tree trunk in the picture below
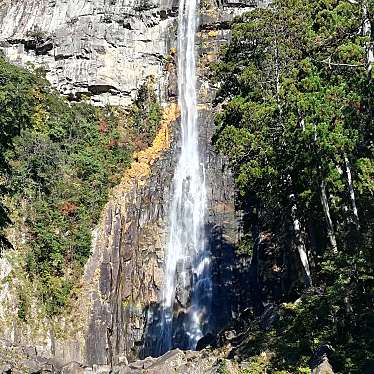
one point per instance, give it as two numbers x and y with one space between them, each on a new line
351 190
277 76
325 206
300 243
366 30
326 209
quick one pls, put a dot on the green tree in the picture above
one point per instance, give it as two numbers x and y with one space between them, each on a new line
16 107
297 123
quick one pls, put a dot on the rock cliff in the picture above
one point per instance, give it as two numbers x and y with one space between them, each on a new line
103 49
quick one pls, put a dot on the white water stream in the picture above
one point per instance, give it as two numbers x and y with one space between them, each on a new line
187 259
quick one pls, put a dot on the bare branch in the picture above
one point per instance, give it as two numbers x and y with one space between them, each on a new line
328 62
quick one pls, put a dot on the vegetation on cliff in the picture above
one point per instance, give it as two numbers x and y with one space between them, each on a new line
296 89
59 161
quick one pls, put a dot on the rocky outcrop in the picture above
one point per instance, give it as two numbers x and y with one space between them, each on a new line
173 362
98 49
323 368
131 240
124 322
320 363
102 49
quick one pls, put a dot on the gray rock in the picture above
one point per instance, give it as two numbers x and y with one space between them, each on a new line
73 368
103 49
6 369
323 368
29 351
30 366
320 363
230 335
183 284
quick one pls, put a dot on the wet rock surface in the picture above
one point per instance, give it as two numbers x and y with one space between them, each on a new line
223 222
126 310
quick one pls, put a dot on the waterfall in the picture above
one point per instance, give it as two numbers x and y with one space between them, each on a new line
187 271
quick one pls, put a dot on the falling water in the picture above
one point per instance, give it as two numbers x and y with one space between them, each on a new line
187 260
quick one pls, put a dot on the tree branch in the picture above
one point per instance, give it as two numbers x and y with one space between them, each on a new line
328 62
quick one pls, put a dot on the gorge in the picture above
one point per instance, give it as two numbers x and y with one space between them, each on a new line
186 186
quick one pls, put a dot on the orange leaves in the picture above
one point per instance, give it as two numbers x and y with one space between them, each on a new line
103 126
68 209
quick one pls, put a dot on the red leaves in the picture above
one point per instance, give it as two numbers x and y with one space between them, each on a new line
68 209
103 126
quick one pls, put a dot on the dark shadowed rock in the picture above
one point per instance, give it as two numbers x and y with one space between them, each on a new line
268 317
209 340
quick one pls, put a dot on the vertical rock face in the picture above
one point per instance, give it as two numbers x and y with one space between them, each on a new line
100 48
224 224
106 48
131 240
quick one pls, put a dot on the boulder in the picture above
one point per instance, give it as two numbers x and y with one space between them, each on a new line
323 368
320 363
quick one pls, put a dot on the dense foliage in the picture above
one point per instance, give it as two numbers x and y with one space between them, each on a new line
296 90
146 113
15 116
61 160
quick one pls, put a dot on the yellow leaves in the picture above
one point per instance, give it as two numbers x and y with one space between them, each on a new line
141 167
39 117
173 51
37 94
213 33
289 306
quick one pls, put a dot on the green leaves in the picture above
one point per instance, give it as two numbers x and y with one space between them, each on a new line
67 165
297 111
59 161
146 112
